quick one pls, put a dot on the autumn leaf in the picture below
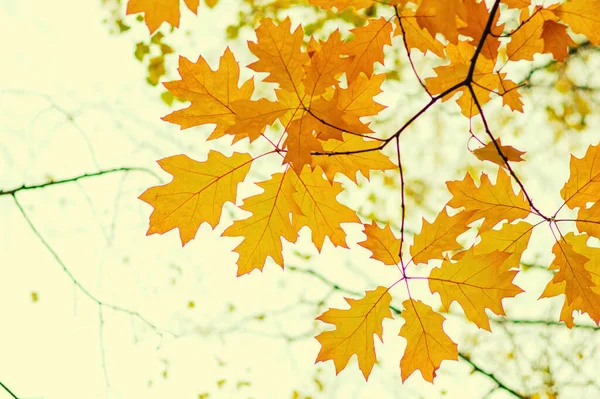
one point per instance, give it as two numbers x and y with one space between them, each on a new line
211 94
367 46
354 329
417 37
354 162
320 210
325 66
526 41
279 54
158 11
588 220
494 202
582 17
583 185
489 153
476 19
382 243
577 276
510 238
477 283
301 143
196 194
556 39
485 80
268 224
442 17
439 236
427 342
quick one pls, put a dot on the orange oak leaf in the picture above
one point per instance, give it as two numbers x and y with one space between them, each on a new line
511 239
280 54
556 40
341 4
367 46
343 112
417 37
494 202
300 143
351 164
354 329
427 344
577 277
582 17
588 220
476 19
583 185
526 41
382 242
268 224
325 66
158 11
196 194
485 78
211 94
320 210
253 116
442 17
516 3
476 282
439 236
489 153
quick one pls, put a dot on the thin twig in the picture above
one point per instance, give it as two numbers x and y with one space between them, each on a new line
76 282
77 178
8 390
491 376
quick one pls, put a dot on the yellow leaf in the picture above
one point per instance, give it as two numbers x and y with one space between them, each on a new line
196 194
268 224
582 17
382 242
440 236
556 40
527 40
417 37
588 220
494 202
279 54
476 282
367 46
158 11
211 94
320 210
577 277
489 153
350 164
325 65
511 239
583 185
442 17
427 342
354 329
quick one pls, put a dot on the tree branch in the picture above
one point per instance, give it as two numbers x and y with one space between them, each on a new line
8 390
77 178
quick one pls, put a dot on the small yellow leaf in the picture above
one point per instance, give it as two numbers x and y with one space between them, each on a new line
354 329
